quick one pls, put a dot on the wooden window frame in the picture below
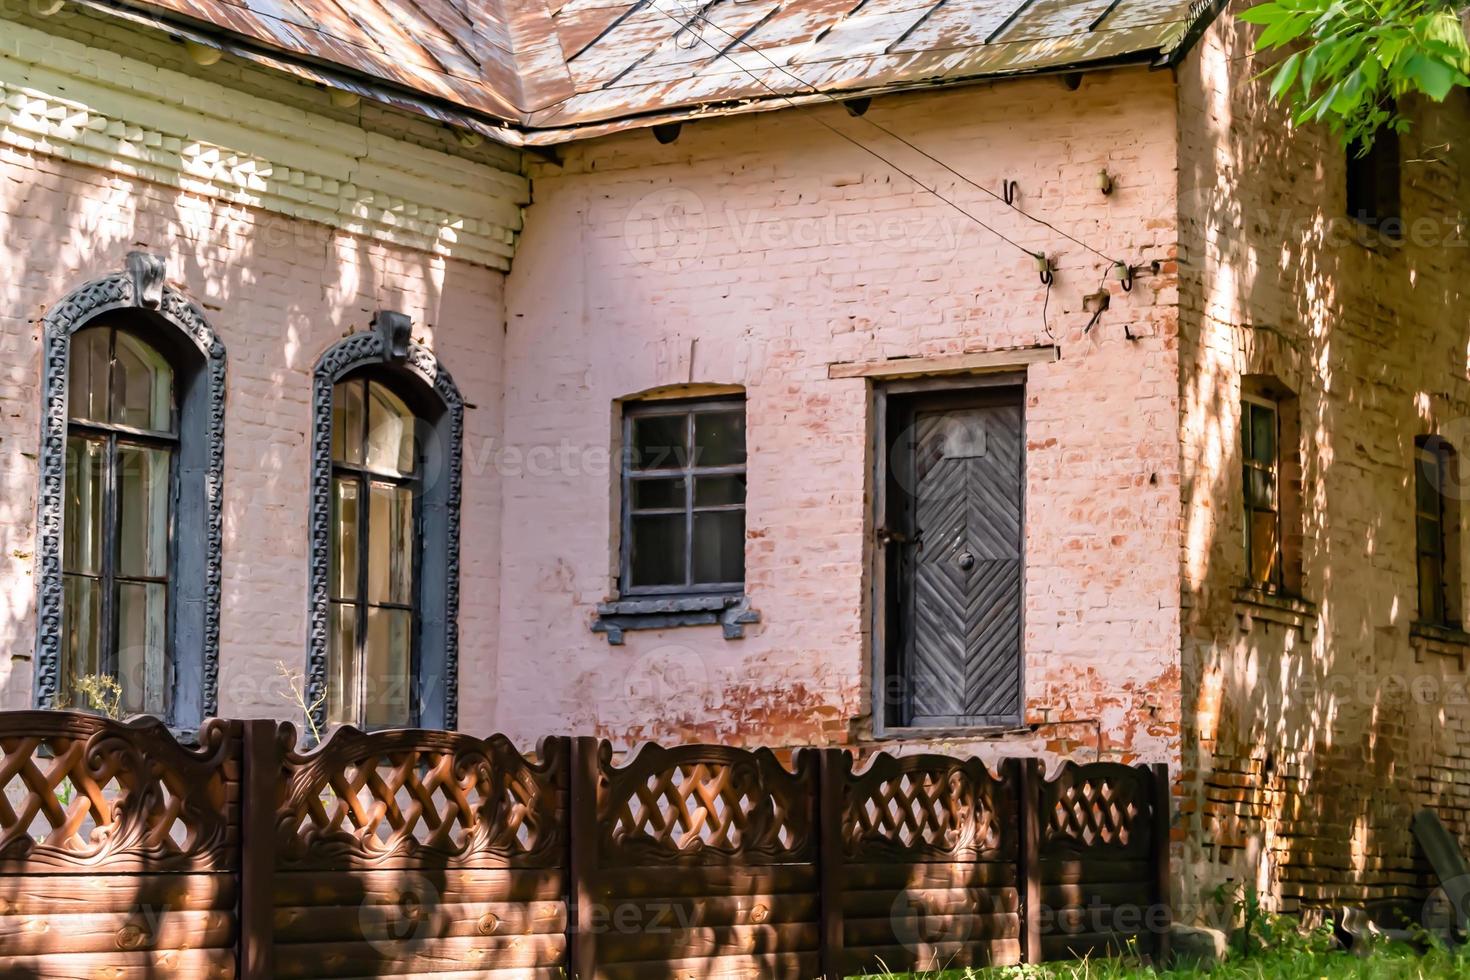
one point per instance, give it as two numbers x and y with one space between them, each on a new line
1250 404
688 471
363 476
108 578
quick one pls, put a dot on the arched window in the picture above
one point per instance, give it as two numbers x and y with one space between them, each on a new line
375 541
121 441
129 517
384 647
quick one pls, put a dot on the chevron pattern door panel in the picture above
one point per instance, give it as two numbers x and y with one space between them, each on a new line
962 628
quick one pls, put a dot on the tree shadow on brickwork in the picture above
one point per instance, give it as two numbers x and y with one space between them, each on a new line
1308 745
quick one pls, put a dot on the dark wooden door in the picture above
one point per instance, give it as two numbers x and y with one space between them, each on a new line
959 470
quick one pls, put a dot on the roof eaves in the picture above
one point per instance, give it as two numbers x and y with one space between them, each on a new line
520 132
1202 14
556 135
500 130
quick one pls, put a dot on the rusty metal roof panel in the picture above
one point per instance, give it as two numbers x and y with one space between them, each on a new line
563 64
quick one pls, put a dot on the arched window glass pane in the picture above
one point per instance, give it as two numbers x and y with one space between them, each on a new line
390 432
87 382
348 417
116 545
143 386
375 543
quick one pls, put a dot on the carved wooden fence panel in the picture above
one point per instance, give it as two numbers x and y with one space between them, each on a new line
418 853
927 863
1104 858
694 861
440 855
118 848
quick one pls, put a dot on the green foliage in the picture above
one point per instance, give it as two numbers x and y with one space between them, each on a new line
1265 946
1354 59
1389 962
103 694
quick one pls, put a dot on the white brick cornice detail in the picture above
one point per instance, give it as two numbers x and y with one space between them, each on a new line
133 119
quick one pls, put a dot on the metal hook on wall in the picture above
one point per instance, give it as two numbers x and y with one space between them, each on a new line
1045 269
1008 191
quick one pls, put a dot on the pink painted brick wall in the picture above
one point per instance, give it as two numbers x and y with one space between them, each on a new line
757 251
277 292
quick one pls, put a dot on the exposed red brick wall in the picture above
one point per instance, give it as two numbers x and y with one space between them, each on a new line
1307 752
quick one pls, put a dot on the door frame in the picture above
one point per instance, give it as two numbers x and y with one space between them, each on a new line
882 571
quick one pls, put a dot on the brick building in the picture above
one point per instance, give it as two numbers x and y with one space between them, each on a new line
1019 384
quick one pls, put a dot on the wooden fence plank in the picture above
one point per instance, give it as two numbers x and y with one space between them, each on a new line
1029 777
833 768
62 894
105 932
1161 823
583 775
196 964
326 923
388 886
261 778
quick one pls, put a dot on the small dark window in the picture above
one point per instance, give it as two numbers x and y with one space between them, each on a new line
1260 438
1436 524
684 497
1373 183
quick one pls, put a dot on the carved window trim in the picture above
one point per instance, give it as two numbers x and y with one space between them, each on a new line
388 343
140 286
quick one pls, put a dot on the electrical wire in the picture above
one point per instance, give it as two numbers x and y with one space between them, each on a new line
693 27
857 143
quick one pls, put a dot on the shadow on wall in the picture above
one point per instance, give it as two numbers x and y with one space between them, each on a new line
1306 752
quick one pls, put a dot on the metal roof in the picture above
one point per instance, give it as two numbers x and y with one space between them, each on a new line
546 71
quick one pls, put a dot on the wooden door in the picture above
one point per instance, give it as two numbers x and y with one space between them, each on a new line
957 504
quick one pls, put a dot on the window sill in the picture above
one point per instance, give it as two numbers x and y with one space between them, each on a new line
731 612
1253 605
1445 641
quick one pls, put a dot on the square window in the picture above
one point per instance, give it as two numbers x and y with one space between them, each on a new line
684 497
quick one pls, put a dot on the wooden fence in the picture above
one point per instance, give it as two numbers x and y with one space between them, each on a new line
438 854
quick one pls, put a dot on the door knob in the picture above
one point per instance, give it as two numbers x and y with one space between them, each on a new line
966 561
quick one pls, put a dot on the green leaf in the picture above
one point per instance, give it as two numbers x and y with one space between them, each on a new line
1351 58
1264 13
1286 73
1433 78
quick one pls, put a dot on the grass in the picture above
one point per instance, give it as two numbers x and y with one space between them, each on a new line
1383 963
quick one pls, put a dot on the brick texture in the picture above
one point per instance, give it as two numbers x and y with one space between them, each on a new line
1306 756
756 252
278 292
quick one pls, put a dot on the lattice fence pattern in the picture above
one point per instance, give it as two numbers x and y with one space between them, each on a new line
671 803
413 797
1097 805
440 854
79 793
927 804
